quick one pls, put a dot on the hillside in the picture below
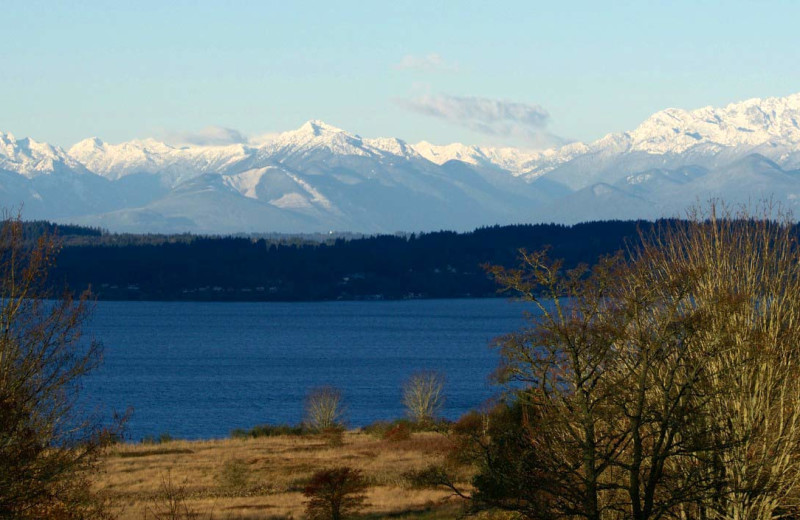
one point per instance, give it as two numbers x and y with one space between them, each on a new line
441 264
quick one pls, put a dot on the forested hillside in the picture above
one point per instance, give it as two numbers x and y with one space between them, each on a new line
280 268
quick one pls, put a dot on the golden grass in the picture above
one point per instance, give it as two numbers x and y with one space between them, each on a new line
276 470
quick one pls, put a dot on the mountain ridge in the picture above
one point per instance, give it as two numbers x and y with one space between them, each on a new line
319 177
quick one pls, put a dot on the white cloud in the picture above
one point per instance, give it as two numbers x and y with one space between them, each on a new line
432 62
208 136
488 116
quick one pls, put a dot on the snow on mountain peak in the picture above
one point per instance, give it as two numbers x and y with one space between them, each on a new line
440 154
86 146
391 145
151 156
751 123
312 136
514 160
770 126
318 128
318 176
31 158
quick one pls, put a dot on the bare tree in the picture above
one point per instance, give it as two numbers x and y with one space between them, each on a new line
746 284
663 383
562 362
423 396
324 408
46 442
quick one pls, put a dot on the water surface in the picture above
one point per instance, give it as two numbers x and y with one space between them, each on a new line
198 370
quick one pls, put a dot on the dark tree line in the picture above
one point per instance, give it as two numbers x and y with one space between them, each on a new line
440 264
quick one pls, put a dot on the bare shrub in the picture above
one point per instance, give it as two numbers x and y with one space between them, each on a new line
171 501
432 476
334 437
334 494
47 445
268 430
398 432
324 408
423 396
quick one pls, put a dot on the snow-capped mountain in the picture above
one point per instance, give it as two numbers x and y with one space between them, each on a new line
321 178
749 124
315 178
31 158
148 156
671 138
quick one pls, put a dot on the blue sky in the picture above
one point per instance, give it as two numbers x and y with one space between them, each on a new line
497 73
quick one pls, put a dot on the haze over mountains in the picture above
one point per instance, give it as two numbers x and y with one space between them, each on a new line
320 178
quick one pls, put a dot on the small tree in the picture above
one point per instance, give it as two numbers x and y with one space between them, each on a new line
324 409
335 493
46 443
423 396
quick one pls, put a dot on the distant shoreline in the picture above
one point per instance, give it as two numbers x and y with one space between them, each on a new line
436 265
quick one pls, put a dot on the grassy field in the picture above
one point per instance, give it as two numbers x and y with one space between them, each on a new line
264 477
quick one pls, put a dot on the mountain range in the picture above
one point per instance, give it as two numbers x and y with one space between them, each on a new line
320 178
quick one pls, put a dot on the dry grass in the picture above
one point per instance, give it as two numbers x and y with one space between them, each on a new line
275 470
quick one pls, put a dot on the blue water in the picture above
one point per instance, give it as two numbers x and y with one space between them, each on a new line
199 370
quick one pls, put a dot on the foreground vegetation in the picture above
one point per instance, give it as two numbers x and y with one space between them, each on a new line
264 477
662 383
659 383
48 447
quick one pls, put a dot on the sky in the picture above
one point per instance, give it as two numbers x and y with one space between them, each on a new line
525 74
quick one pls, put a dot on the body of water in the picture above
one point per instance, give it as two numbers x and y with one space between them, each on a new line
199 370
